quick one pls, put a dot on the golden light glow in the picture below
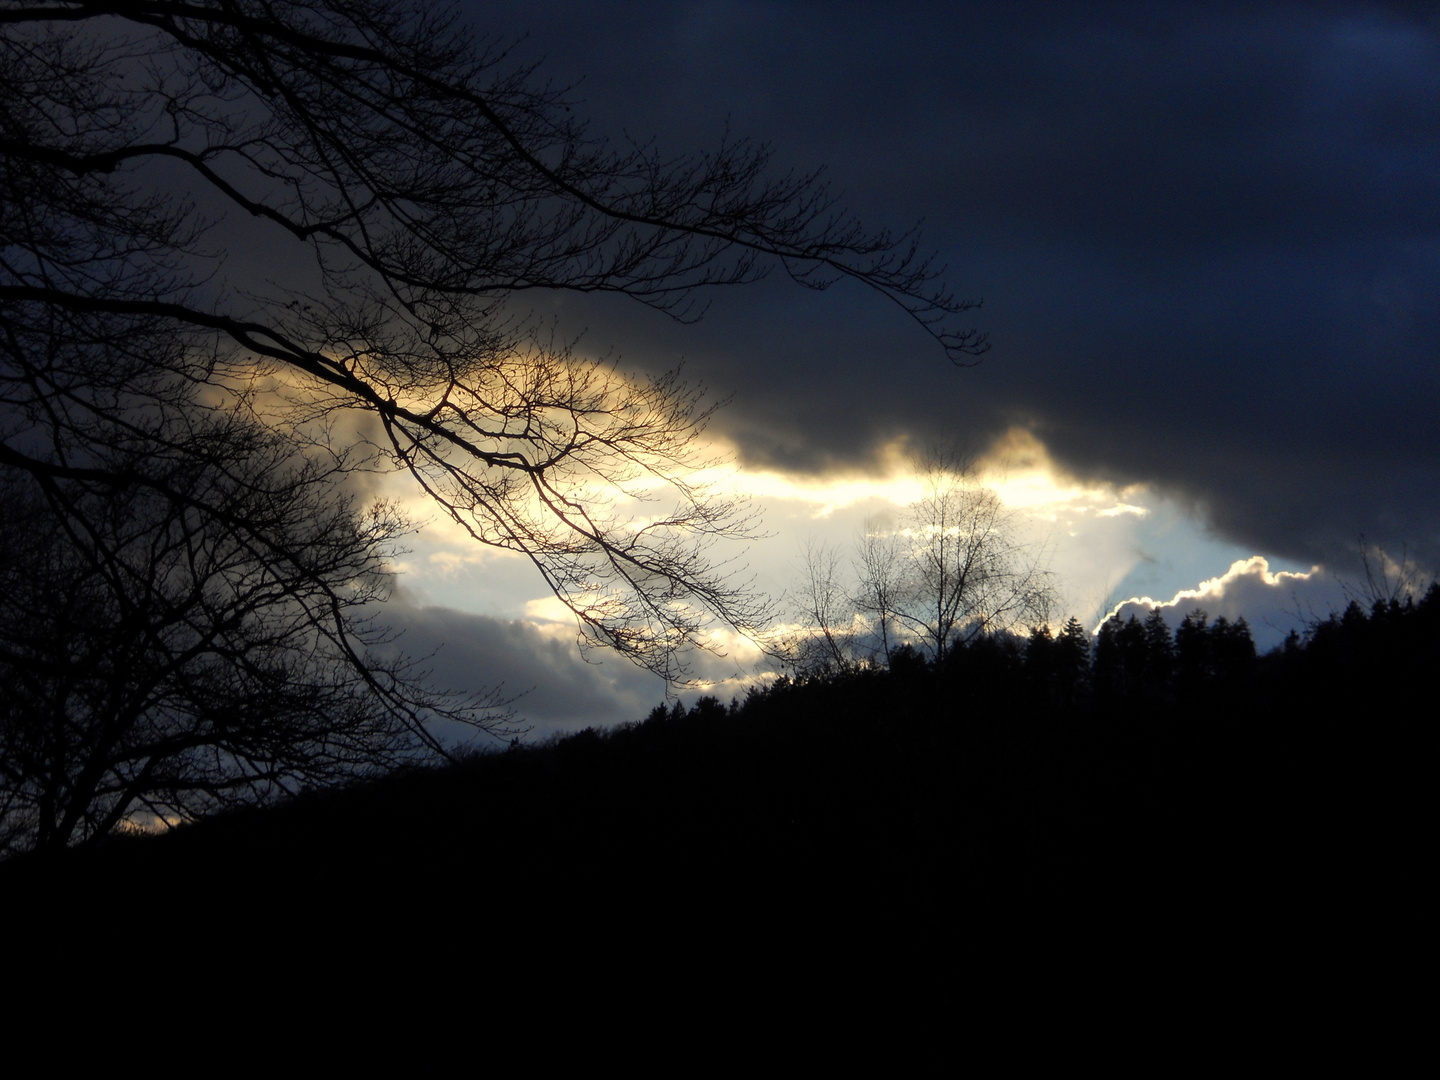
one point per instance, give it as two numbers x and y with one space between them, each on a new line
549 609
1017 467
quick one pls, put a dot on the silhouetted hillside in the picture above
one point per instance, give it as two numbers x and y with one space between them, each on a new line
1152 769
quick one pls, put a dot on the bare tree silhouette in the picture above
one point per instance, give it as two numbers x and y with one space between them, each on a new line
956 567
432 184
200 636
952 568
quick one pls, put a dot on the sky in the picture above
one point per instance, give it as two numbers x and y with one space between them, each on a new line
1207 238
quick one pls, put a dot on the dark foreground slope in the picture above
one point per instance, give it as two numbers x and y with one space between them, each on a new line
1163 853
916 792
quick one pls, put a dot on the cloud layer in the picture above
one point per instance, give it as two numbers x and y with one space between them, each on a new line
1208 237
538 663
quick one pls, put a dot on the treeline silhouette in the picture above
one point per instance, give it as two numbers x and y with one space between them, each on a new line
1137 763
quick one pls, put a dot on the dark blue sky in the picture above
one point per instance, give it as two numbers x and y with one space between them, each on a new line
1207 237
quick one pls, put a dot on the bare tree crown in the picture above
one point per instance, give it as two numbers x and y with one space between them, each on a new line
955 567
202 637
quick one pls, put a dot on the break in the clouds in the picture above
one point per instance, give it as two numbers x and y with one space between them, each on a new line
1102 542
1207 236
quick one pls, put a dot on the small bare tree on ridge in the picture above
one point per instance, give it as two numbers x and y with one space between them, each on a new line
952 568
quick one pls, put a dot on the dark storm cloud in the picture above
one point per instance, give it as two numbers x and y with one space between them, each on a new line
540 668
1208 237
551 685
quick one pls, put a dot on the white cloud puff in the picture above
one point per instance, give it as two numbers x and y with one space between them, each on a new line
1273 603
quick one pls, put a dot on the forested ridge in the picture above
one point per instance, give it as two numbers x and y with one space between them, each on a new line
1135 759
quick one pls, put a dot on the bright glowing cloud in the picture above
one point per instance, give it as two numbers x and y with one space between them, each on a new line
1255 569
549 609
1018 467
1272 602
